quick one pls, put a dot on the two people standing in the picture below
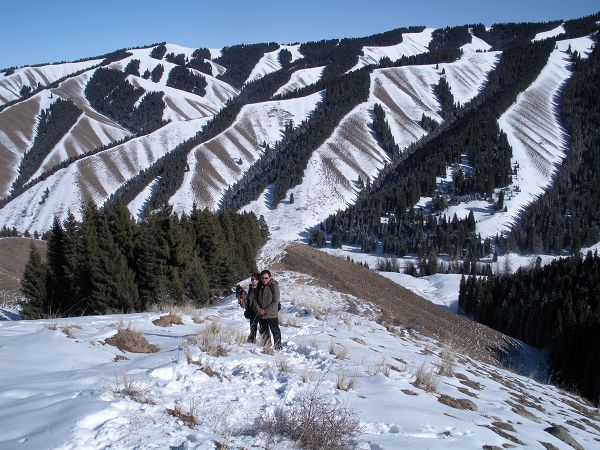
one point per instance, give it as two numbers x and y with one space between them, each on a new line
262 305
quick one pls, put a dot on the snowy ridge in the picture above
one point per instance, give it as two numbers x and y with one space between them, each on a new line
467 76
412 44
538 141
93 178
144 53
217 91
214 165
10 86
59 392
301 78
17 133
269 62
91 131
136 206
550 33
331 174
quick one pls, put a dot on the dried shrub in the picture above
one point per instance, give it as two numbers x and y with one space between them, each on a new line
282 364
339 350
69 330
189 417
129 386
458 403
426 378
130 340
307 374
314 421
210 340
168 320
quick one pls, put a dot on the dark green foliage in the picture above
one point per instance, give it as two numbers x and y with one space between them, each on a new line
449 37
109 263
33 285
175 59
285 163
475 133
446 99
581 27
427 123
240 60
556 307
158 52
110 93
504 35
25 91
284 57
566 216
147 116
186 80
133 67
201 65
201 53
157 73
53 124
383 132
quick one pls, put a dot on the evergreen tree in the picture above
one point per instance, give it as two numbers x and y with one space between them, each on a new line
33 286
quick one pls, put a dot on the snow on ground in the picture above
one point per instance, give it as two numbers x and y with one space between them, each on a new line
136 206
538 140
17 133
412 44
93 178
269 62
406 93
65 392
467 76
301 78
550 33
11 85
217 91
221 161
330 178
179 105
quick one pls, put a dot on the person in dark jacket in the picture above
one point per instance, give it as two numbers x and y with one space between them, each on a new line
249 306
267 308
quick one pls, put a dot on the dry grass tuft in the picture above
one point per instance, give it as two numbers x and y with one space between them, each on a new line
69 330
426 378
168 320
211 339
339 350
118 358
51 326
446 365
189 417
458 403
314 421
128 386
282 364
307 374
343 383
130 340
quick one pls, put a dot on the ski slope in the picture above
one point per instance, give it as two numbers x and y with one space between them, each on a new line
412 44
557 31
221 161
93 178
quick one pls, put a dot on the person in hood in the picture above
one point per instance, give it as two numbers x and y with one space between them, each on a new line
267 308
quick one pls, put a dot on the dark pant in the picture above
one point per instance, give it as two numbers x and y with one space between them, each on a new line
253 326
273 325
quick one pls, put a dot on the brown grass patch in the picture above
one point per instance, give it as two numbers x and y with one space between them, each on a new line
129 386
188 417
130 340
399 306
426 378
168 320
409 392
458 403
504 434
69 330
467 392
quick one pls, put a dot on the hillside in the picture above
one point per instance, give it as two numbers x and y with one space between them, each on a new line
205 386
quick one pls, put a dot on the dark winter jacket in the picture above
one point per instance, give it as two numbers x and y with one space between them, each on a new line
267 298
249 312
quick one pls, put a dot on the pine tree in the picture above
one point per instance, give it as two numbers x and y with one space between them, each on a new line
33 286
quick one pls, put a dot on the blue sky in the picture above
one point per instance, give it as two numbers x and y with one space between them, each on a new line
48 31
